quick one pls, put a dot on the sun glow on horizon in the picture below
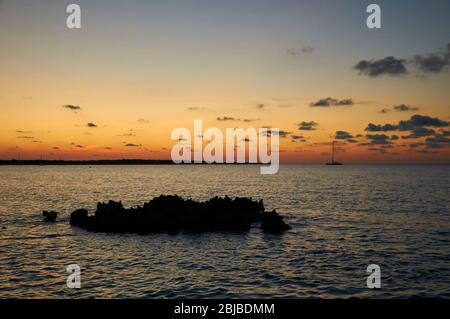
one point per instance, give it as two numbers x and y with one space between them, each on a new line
118 87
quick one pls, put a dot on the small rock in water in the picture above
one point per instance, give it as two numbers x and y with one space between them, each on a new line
273 223
49 216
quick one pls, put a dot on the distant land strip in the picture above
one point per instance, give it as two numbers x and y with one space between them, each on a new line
104 162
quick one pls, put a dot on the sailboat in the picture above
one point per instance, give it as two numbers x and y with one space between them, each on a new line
333 162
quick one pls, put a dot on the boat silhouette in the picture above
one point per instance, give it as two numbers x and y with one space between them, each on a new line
333 162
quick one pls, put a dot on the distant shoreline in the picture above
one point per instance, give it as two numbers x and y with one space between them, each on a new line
106 162
160 162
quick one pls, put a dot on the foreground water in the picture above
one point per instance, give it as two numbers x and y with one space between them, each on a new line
343 219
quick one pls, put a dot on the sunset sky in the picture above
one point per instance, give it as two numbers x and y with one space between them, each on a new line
136 70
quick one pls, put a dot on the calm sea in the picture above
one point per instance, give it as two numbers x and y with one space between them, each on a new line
343 219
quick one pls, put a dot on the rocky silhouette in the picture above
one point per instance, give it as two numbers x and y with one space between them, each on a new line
273 223
172 214
49 216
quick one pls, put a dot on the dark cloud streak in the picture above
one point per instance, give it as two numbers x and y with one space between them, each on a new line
326 102
307 126
405 108
387 66
72 107
433 62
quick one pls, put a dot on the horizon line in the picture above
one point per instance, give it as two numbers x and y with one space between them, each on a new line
136 161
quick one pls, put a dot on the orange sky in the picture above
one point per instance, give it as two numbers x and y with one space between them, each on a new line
137 77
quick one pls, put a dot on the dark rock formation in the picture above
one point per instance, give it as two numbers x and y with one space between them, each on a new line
79 218
273 223
172 214
49 216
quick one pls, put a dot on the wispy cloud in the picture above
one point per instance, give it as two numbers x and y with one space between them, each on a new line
408 125
438 140
76 145
226 118
303 50
433 62
72 107
418 126
230 118
405 108
326 102
418 132
421 120
379 139
280 133
307 126
381 128
298 138
387 66
343 135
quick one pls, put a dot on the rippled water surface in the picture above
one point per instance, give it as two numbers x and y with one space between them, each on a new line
343 219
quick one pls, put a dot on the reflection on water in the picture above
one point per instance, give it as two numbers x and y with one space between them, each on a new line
343 219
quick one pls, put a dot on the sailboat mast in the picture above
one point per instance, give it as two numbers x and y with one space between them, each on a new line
332 152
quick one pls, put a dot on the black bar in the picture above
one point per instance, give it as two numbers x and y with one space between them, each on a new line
218 308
